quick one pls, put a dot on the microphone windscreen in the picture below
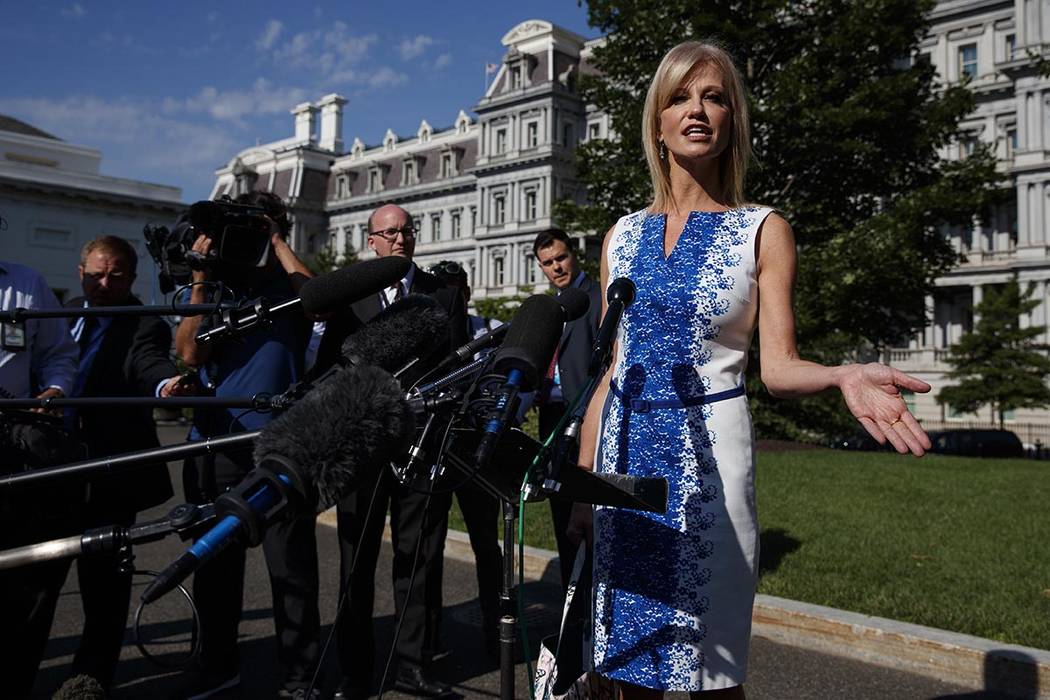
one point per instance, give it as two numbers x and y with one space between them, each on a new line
341 433
575 301
415 326
621 289
532 339
336 290
80 687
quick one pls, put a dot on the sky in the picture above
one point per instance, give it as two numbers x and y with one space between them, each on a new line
171 91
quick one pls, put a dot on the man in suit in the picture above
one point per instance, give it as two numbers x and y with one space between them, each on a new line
557 259
121 356
414 517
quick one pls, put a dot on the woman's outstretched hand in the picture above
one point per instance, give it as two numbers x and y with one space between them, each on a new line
872 393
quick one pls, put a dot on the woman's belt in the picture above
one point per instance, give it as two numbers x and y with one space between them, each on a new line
638 405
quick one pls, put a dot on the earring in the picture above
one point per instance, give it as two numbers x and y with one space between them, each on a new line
663 151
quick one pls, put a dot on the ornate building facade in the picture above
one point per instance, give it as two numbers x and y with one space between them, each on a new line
479 190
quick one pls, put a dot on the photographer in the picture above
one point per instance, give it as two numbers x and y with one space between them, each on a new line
267 359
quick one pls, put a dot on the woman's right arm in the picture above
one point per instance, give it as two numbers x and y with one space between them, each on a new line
589 429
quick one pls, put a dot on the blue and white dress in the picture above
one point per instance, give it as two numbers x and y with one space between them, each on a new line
673 592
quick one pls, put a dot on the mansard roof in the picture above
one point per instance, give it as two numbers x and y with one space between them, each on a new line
18 126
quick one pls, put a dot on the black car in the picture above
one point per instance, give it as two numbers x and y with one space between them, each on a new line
976 443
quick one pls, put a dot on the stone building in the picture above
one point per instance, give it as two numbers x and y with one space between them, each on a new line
479 190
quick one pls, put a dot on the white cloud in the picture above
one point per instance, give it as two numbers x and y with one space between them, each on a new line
135 137
235 106
410 48
326 53
73 11
443 61
386 77
269 36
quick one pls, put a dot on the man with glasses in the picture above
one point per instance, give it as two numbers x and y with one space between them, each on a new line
390 233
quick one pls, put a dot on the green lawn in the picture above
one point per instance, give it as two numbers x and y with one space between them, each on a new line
955 543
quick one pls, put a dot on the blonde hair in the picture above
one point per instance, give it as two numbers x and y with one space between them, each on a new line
677 67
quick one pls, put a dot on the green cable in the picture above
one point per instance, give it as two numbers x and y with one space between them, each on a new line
540 457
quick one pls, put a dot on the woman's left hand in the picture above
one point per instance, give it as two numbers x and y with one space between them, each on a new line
872 393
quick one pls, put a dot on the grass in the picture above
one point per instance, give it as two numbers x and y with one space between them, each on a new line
949 542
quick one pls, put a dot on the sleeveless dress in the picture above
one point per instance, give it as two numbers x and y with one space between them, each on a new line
673 592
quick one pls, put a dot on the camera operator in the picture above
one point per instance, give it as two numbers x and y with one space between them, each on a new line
267 359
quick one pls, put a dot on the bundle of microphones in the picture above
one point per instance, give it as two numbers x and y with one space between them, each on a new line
377 405
363 414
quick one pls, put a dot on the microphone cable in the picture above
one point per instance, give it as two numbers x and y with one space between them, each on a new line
195 629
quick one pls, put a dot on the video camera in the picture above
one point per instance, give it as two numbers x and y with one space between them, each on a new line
240 235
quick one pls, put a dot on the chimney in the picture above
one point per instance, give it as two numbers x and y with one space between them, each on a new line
331 122
305 122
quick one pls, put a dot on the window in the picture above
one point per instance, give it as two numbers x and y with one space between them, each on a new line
501 140
516 77
417 224
363 234
532 134
375 180
528 264
435 227
447 165
967 144
342 186
531 198
499 208
1011 47
473 219
409 172
968 61
1011 141
594 131
455 224
498 276
568 134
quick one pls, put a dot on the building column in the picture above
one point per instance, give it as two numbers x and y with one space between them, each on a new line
978 297
929 339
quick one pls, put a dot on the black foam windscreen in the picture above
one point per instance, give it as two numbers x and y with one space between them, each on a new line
575 302
80 687
335 290
414 327
532 339
340 434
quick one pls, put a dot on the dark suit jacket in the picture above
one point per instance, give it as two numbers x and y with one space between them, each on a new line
134 357
577 340
346 322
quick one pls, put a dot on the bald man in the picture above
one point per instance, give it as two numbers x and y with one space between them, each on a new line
390 232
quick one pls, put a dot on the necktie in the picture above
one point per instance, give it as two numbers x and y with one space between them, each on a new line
399 291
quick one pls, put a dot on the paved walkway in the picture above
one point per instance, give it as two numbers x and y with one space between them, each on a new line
778 670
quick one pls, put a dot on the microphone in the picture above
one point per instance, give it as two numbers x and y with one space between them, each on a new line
574 303
523 359
320 295
332 440
334 290
619 296
401 335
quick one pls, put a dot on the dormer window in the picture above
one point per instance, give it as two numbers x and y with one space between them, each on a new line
409 172
358 149
447 168
375 179
389 140
462 122
342 186
424 132
516 80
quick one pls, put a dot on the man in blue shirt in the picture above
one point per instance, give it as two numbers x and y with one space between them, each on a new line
266 359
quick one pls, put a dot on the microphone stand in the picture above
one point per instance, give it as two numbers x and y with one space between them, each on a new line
260 402
20 314
126 462
182 520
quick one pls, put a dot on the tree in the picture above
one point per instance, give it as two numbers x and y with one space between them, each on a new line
326 259
999 363
847 130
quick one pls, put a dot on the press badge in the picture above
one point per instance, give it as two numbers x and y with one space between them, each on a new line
12 336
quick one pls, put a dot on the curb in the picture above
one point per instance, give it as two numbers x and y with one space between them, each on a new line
963 659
